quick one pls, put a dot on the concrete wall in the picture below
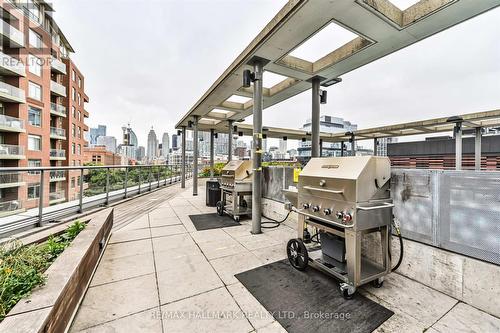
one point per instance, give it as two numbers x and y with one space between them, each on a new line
470 280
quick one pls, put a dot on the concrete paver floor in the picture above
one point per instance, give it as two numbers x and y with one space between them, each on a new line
158 274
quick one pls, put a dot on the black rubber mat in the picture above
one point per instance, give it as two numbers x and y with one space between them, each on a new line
212 221
310 301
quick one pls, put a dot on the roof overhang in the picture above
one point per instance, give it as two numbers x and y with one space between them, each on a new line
429 126
381 29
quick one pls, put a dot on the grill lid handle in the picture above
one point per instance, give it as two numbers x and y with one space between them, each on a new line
312 188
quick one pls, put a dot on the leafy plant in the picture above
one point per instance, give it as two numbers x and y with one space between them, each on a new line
22 266
205 172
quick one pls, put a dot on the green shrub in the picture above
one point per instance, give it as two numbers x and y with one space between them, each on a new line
205 172
22 267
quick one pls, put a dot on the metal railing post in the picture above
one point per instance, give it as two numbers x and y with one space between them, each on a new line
149 178
40 200
159 173
140 181
125 184
107 186
80 198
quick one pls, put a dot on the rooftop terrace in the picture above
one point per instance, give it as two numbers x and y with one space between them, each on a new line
156 264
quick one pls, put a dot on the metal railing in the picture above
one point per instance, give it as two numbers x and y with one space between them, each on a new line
58 65
12 33
89 187
10 206
10 90
58 109
59 153
12 64
11 150
10 178
58 174
57 132
11 122
57 88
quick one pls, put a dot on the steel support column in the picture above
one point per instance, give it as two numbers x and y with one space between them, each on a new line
477 149
195 155
315 115
375 146
320 147
258 101
353 145
183 148
342 152
230 141
211 153
458 146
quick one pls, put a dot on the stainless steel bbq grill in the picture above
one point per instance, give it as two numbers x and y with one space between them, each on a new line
342 199
235 184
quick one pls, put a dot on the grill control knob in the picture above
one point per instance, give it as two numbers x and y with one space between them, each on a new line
347 218
315 208
327 211
339 215
306 206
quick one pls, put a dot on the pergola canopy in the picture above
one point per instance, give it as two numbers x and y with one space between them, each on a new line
378 28
429 126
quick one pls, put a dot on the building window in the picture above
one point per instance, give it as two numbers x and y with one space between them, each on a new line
34 164
79 116
79 151
33 191
72 182
34 142
34 91
73 130
35 40
74 111
79 82
78 180
73 75
74 93
79 99
73 148
35 116
35 65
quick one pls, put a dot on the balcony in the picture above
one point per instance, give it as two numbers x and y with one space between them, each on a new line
58 66
11 152
11 124
11 36
57 176
57 154
11 66
10 208
58 110
9 93
57 89
11 179
57 133
56 197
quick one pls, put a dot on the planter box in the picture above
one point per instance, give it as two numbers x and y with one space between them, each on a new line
51 307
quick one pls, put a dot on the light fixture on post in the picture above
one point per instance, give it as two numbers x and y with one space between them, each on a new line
322 96
248 78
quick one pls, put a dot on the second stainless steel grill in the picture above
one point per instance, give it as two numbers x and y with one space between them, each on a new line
236 184
342 199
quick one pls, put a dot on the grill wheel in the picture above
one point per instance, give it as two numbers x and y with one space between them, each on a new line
297 254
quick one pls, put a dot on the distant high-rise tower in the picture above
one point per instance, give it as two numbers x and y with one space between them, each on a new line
94 133
165 145
152 148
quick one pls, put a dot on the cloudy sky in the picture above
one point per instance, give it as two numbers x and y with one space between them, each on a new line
147 62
